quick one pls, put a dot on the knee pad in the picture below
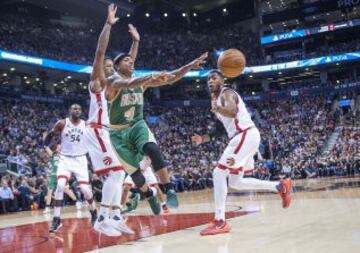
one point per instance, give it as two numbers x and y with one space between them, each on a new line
138 178
152 150
59 192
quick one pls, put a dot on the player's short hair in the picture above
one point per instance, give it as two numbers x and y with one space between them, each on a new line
74 105
119 58
218 72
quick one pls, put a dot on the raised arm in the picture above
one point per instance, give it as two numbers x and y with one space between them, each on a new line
181 72
56 130
116 82
136 41
97 75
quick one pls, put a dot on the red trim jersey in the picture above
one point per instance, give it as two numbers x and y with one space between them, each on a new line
98 110
72 139
242 119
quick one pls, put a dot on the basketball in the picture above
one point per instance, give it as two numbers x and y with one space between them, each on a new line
231 62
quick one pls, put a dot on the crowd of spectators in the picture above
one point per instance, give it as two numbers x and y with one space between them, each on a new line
159 49
344 157
313 50
296 129
22 193
293 131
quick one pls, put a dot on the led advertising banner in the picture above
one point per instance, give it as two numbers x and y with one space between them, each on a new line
309 31
43 62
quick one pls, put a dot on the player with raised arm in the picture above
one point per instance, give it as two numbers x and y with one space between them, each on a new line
100 149
72 160
129 133
97 140
237 158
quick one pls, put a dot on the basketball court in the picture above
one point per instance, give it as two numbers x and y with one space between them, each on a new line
322 218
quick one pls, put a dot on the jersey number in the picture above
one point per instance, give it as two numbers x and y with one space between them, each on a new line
129 114
74 138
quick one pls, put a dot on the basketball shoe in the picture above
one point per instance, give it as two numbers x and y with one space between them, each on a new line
216 227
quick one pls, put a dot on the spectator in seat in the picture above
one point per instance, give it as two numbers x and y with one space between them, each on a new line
7 200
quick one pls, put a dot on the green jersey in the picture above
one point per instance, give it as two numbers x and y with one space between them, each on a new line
127 107
52 181
53 165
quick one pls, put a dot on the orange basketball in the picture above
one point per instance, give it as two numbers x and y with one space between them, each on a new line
231 62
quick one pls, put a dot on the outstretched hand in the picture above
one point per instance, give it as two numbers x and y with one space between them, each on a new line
111 18
134 33
198 62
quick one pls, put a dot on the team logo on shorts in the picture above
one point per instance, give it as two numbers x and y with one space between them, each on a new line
107 160
230 161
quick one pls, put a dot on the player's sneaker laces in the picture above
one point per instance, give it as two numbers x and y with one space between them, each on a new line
102 225
171 198
216 227
285 188
120 225
55 225
154 204
93 216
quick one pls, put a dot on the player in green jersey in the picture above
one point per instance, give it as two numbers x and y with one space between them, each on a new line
130 135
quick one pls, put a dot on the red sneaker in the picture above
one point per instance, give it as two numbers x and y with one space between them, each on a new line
216 227
285 192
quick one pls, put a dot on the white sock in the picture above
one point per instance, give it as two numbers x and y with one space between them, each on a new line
154 190
220 192
57 210
117 184
108 190
239 183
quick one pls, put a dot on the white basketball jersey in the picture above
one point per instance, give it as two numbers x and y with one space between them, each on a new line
72 139
98 111
242 119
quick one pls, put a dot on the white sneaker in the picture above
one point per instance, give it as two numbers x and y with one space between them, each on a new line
120 225
47 210
78 205
105 228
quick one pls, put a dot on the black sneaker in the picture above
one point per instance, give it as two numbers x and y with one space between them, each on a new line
93 216
55 225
